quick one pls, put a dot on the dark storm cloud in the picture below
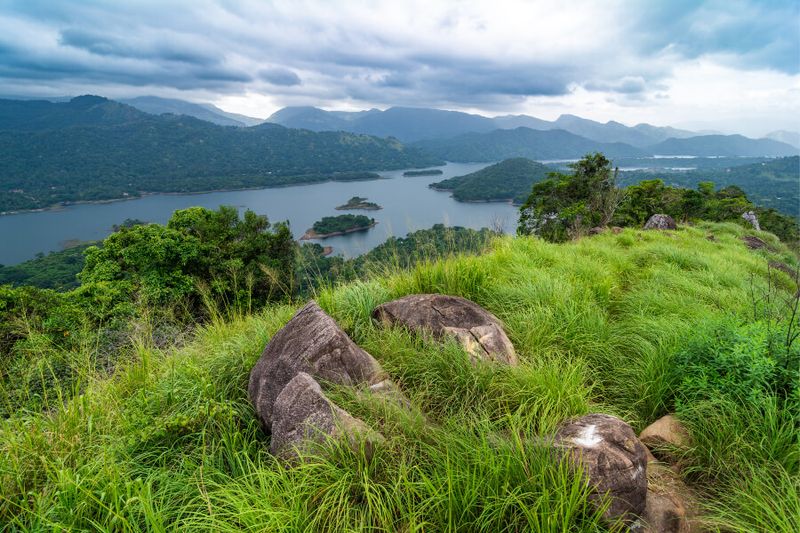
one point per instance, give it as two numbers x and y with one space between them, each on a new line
234 47
279 76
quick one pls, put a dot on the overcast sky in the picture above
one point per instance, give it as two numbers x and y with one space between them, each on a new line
731 65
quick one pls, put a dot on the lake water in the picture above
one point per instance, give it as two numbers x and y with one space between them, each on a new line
408 205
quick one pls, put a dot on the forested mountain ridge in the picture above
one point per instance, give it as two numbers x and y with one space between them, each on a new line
93 149
521 142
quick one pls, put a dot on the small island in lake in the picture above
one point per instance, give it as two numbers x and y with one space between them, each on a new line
429 172
338 225
357 202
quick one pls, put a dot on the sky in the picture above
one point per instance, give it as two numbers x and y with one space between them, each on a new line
728 65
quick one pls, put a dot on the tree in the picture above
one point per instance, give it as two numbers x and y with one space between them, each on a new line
200 253
566 205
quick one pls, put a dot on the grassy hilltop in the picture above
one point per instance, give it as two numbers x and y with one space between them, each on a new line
635 324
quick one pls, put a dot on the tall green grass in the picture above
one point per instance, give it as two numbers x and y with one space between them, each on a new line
166 439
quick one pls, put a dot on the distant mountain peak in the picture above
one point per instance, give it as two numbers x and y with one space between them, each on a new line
88 100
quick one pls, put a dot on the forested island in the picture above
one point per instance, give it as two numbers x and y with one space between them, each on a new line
415 173
338 225
357 202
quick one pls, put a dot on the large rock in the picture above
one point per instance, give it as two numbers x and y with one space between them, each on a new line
613 459
304 418
661 221
310 342
665 438
751 217
477 330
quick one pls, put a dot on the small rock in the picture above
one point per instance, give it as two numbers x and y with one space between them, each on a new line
304 418
754 243
597 230
671 505
665 437
477 330
711 237
751 217
661 221
612 458
310 342
783 267
616 230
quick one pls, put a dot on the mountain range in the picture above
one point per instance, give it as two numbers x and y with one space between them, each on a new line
413 124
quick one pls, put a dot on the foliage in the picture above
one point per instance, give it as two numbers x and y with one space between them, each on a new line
240 262
341 223
567 205
97 149
56 270
746 362
770 183
498 182
168 440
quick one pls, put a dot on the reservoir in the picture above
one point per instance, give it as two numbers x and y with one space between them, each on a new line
408 205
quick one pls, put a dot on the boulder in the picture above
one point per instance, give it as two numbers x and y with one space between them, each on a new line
661 221
303 418
613 459
476 329
671 505
616 230
597 230
751 217
310 342
665 437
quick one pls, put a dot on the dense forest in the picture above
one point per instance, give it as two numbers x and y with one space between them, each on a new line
340 224
508 180
96 149
773 183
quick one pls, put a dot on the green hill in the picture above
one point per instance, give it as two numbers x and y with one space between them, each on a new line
522 142
508 180
154 431
96 149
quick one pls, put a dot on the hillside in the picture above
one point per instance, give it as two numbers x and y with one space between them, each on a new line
723 145
94 149
162 435
158 106
772 184
508 180
521 142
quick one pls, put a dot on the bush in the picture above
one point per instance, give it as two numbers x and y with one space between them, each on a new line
745 362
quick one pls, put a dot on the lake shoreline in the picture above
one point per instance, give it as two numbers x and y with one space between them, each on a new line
145 194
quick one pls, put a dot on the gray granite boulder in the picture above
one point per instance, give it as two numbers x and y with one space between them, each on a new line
310 342
751 217
476 329
304 418
613 459
660 221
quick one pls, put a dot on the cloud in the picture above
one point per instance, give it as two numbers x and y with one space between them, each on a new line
504 56
279 76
